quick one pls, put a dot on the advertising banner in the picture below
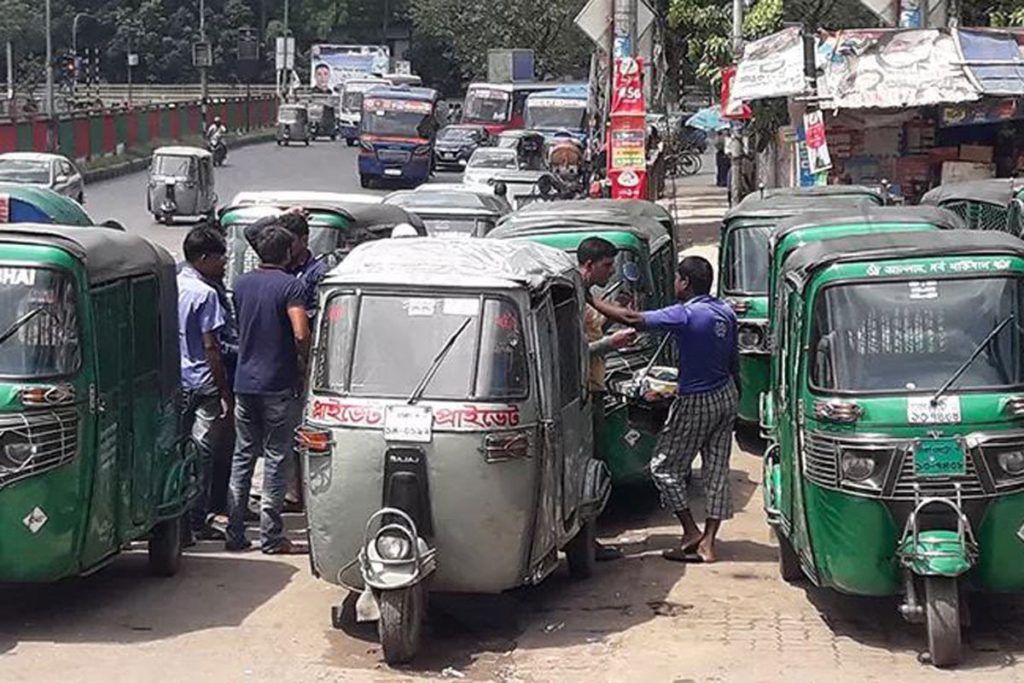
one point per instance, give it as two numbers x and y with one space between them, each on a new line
771 67
627 132
817 148
331 65
628 94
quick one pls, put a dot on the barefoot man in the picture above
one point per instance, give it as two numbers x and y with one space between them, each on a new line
704 410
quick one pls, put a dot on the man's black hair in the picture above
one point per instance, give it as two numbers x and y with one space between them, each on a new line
294 222
202 241
274 245
594 249
698 271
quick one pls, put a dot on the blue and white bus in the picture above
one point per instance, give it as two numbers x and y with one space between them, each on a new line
396 134
564 108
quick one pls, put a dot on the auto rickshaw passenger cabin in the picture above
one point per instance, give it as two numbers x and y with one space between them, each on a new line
89 373
989 204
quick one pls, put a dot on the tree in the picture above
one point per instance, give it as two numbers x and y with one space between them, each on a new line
465 29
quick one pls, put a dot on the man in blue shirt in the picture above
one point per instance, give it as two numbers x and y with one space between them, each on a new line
206 393
703 413
272 348
309 269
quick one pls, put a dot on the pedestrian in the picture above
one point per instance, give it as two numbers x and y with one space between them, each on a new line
703 412
273 346
206 393
596 262
722 161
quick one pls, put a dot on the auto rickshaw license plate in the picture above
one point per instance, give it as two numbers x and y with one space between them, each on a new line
413 424
939 458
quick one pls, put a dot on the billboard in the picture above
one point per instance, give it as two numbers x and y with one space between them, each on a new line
331 65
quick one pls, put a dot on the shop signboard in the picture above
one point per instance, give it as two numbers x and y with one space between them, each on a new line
771 67
986 111
627 157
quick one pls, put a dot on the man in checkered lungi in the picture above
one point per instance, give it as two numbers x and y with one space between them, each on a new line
703 413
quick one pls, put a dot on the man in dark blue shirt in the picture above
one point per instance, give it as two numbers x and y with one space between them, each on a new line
703 413
272 347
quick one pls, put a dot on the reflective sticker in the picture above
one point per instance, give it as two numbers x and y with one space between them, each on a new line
35 520
1020 533
631 437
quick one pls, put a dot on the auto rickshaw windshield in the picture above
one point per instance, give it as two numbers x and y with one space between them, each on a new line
914 335
746 270
172 166
383 345
38 323
285 115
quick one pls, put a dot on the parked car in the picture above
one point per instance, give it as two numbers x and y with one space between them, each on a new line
487 162
456 144
52 171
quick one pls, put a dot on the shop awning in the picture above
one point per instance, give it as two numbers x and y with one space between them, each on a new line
771 67
995 59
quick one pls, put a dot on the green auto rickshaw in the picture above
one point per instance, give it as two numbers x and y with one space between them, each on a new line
875 195
645 279
20 203
743 277
989 204
640 208
92 456
896 465
335 227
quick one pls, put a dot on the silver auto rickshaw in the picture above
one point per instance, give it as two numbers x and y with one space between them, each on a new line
447 438
181 184
292 124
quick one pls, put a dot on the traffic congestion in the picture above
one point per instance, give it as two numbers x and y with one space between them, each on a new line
531 384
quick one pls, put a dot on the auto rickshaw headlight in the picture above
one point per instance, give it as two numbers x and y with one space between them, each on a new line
857 466
17 450
393 546
1011 462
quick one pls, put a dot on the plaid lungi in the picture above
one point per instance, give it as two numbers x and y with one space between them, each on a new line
697 423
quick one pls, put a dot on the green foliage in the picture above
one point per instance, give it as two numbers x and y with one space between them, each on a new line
465 29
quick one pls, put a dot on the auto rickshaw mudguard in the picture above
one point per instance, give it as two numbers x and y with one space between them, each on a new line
772 487
754 380
937 552
853 542
625 449
1000 564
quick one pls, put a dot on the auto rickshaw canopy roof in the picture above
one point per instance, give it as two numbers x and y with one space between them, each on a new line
998 191
182 151
783 206
319 215
873 193
436 200
413 262
901 215
60 209
890 246
377 218
526 224
301 197
629 207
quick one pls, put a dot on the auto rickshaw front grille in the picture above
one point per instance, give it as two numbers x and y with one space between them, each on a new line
52 434
821 459
908 485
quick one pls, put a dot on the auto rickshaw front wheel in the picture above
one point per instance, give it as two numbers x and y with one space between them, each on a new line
581 553
165 547
402 612
942 616
789 561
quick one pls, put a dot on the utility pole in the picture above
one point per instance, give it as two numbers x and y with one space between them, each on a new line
736 142
204 86
49 63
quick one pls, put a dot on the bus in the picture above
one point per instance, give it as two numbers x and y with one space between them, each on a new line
564 108
350 109
499 106
396 134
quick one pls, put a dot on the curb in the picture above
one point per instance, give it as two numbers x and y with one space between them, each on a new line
141 163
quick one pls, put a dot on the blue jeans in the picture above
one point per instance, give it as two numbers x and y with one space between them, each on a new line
264 425
200 410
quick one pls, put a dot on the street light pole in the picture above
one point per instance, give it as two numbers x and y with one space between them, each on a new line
74 48
736 143
204 86
49 62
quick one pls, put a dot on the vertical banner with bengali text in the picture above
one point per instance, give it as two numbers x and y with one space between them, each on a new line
627 133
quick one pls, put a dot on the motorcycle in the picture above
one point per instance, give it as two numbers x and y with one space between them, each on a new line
215 145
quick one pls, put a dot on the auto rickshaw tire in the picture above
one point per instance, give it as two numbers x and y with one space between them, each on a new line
334 138
581 553
789 561
350 142
402 613
942 617
365 182
165 547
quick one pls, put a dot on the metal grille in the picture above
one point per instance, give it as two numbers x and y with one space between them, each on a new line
51 434
393 155
944 486
981 216
821 459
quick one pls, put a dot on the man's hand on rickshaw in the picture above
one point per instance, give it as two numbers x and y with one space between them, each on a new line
623 338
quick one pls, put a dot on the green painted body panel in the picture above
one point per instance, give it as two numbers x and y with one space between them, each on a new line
126 474
62 210
853 542
1000 566
849 542
627 464
754 370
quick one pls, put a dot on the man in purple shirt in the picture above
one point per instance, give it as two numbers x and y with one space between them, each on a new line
703 413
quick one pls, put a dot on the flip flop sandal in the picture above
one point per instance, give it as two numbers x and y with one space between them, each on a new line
682 555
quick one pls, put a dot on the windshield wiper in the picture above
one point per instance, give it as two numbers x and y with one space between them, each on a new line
974 356
21 322
442 353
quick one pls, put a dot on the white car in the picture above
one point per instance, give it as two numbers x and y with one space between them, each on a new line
486 162
51 171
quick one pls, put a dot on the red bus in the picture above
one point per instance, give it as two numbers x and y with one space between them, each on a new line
499 106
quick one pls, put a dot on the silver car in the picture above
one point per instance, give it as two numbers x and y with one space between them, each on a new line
51 171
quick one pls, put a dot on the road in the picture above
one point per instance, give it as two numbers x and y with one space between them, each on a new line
228 618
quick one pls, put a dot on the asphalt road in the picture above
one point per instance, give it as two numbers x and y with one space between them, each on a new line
323 166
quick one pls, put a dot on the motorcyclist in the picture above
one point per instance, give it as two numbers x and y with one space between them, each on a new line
216 132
